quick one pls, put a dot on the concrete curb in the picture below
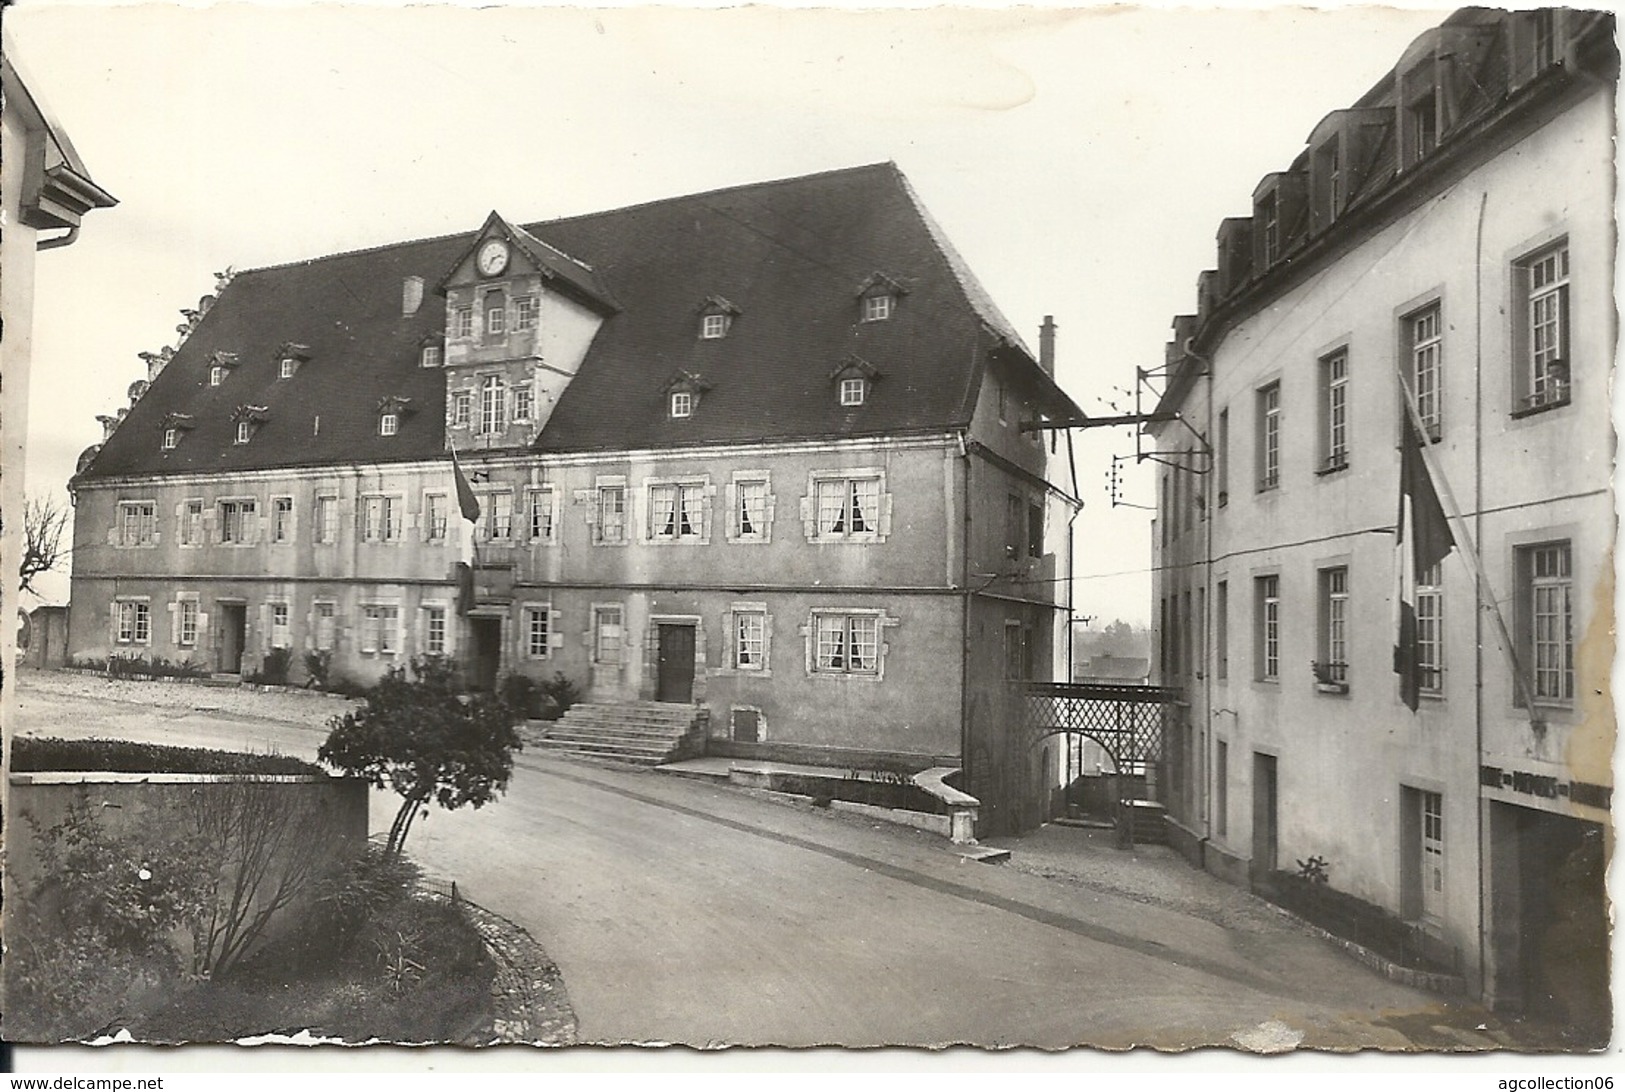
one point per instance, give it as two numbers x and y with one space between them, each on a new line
529 1003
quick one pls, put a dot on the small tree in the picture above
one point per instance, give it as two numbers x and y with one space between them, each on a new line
43 525
421 736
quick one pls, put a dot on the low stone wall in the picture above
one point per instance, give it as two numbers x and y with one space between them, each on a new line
325 817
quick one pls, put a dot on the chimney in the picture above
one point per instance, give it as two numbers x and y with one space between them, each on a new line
1046 345
411 296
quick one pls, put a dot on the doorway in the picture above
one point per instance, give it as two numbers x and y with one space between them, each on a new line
233 633
675 674
486 653
1264 817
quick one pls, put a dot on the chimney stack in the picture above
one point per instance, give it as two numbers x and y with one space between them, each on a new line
1046 345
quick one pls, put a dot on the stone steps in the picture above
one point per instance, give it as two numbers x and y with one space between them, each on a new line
638 733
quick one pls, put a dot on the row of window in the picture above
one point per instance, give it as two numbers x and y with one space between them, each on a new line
498 405
1542 371
839 642
842 507
1543 617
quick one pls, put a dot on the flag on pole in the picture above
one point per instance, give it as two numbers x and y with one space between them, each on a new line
1422 539
467 503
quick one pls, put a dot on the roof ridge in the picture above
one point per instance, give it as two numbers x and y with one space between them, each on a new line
736 188
373 249
529 225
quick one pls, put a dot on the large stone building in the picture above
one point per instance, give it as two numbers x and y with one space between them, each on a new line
768 450
1454 228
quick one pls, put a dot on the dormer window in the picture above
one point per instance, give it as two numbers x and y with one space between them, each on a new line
390 411
682 393
1269 216
217 375
1424 127
852 378
716 316
248 420
878 296
430 357
289 355
173 425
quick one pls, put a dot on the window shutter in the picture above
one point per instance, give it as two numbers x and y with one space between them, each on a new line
884 526
730 494
112 623
174 622
265 627
808 521
555 638
112 532
767 516
293 522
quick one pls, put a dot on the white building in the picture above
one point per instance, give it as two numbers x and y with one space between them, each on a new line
1454 227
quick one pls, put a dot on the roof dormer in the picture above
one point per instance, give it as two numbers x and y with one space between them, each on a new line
1278 208
246 421
1235 254
853 377
716 318
289 356
682 393
175 426
878 297
392 409
220 365
1341 152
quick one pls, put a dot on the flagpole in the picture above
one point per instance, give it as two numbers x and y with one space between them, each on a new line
1469 554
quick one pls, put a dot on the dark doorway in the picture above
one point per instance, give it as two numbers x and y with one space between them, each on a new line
1551 942
233 630
676 672
486 652
1264 818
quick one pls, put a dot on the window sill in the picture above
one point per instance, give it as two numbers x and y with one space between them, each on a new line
1339 689
1268 487
1328 471
1544 407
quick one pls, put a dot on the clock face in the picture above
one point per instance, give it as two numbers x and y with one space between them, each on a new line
493 257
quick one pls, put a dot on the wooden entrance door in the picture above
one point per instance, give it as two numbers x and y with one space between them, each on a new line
675 678
233 630
487 658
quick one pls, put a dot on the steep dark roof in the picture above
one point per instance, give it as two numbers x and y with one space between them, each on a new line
791 255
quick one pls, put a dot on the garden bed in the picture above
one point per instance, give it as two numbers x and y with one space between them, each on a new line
419 974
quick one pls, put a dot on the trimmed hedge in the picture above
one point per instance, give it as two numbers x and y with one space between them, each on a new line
31 755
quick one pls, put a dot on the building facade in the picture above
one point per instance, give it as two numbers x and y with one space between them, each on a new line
1451 230
769 450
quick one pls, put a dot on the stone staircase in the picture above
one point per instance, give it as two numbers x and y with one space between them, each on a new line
642 733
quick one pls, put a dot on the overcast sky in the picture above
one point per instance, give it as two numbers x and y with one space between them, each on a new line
1080 159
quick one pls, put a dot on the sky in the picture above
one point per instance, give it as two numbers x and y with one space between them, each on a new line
1079 158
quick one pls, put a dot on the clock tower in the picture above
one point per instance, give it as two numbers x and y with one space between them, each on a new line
520 316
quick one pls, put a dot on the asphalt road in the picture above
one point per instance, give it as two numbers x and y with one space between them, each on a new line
685 912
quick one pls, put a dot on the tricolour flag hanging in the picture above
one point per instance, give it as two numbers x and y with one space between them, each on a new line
1422 539
467 503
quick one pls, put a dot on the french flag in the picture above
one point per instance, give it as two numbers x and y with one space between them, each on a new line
1422 539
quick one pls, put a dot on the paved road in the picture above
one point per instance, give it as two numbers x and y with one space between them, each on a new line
684 912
